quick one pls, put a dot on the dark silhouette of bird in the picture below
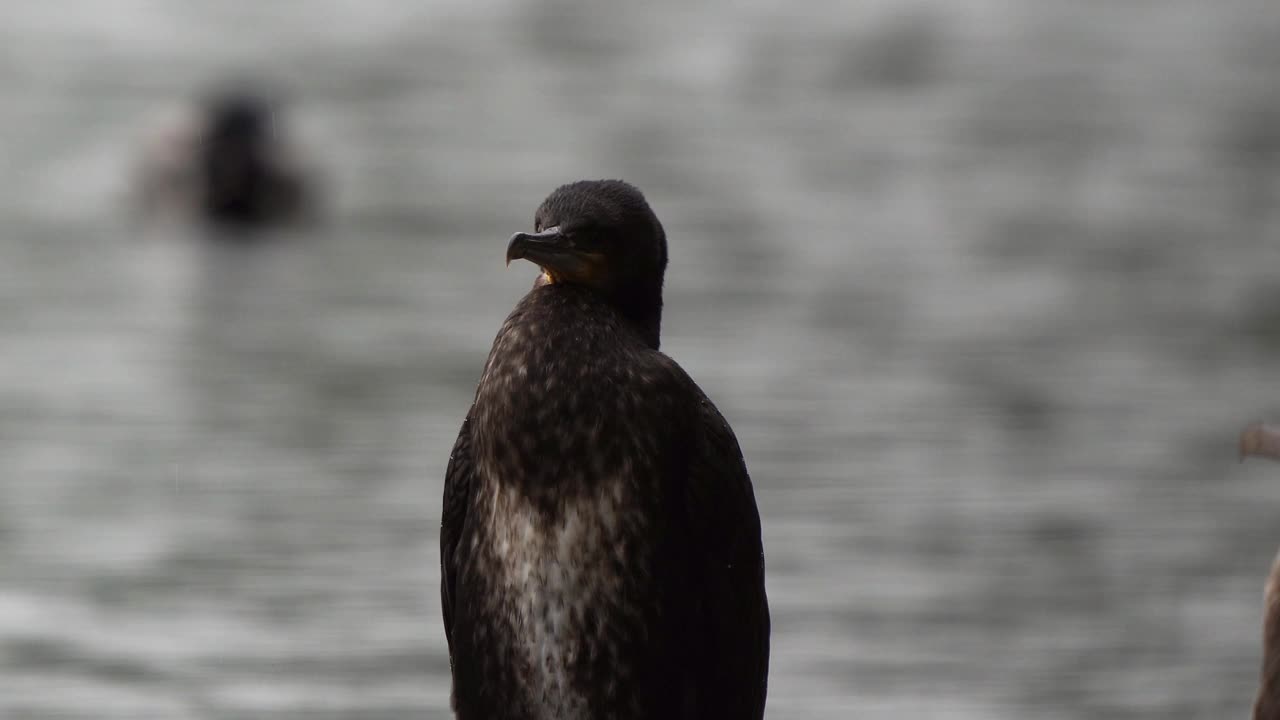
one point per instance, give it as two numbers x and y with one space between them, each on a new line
601 551
1264 441
229 164
244 184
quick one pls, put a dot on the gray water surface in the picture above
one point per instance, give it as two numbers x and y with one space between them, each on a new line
986 289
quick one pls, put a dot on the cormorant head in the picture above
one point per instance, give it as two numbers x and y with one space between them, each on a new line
237 120
234 153
601 235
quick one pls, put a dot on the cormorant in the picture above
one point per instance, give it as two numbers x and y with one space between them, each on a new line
1264 441
600 545
229 164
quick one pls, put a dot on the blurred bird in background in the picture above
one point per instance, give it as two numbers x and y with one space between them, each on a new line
1263 440
228 162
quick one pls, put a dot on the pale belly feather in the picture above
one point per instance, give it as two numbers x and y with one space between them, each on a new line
554 582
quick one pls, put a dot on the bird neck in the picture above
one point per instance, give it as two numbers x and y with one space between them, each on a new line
555 406
646 315
641 306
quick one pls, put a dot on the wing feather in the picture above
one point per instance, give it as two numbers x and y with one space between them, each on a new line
457 496
734 609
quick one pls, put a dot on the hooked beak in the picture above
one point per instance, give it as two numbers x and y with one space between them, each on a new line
554 253
536 246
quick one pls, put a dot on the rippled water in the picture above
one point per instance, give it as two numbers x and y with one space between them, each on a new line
985 288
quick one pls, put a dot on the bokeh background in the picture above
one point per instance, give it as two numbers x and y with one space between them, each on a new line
987 289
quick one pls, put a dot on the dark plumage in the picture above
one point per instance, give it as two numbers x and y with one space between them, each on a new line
243 179
600 545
